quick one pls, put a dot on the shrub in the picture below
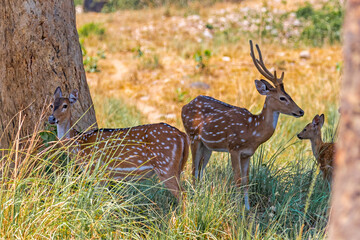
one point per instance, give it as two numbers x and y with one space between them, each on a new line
91 29
323 25
91 62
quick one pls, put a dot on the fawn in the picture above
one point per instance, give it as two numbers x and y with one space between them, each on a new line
323 152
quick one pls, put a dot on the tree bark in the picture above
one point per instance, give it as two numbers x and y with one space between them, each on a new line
39 50
345 213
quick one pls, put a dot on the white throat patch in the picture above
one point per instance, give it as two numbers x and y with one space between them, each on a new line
275 119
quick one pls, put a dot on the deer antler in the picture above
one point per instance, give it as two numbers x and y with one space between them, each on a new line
260 65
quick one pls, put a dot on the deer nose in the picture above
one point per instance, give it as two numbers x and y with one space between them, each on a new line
301 112
52 119
298 136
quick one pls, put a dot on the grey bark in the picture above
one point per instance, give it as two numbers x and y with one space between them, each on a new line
39 50
345 206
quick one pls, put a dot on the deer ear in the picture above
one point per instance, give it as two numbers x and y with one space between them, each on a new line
263 87
58 93
321 120
73 96
316 120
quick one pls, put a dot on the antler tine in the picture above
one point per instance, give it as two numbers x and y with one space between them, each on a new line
262 62
281 78
258 64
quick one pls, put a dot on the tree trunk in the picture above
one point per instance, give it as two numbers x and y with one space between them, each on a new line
39 51
345 213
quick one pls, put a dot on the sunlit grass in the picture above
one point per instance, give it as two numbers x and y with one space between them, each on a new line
288 195
53 196
151 64
146 78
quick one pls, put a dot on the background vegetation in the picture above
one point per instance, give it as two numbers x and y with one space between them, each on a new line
142 67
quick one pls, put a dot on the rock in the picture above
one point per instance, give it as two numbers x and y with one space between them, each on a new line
194 17
200 85
79 9
207 34
170 116
226 58
145 98
304 54
297 23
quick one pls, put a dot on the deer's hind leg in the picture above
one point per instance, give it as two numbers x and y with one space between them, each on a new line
172 183
196 156
206 154
240 166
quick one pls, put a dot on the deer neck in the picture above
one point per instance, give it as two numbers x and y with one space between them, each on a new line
268 116
265 123
316 143
64 131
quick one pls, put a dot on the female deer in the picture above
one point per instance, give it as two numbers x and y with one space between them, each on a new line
127 152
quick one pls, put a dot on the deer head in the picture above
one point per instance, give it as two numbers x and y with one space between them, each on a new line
313 129
61 111
277 98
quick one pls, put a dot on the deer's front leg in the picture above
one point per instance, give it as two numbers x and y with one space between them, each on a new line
245 161
235 162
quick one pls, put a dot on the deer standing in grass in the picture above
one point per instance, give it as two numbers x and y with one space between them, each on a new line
133 152
213 125
323 152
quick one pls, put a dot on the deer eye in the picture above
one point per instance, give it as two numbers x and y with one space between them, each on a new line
283 99
51 106
304 129
65 106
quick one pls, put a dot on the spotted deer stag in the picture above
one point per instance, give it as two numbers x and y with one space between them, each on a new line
132 152
323 152
213 125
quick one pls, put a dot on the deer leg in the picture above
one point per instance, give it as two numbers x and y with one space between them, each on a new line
196 152
206 154
244 161
172 183
241 173
235 162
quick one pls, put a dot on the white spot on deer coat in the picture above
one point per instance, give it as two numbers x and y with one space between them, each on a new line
142 168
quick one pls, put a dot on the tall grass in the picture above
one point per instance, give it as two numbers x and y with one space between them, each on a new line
44 194
52 196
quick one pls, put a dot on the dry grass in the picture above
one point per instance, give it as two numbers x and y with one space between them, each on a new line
172 37
149 64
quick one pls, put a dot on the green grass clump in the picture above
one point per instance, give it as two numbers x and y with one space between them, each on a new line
78 2
92 28
115 113
62 203
322 25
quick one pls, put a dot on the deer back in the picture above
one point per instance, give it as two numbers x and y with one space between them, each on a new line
138 150
326 158
221 126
